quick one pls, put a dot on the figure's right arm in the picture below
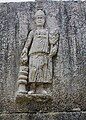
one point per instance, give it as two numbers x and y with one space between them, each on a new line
28 42
24 54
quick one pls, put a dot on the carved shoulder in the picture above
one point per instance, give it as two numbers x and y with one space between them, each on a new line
31 34
30 37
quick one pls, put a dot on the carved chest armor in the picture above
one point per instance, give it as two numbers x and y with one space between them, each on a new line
40 42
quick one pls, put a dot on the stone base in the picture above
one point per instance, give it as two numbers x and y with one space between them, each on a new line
33 97
45 116
34 102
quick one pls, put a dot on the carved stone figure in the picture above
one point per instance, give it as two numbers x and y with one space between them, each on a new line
36 57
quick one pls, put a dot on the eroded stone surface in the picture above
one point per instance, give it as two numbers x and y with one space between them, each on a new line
16 21
45 116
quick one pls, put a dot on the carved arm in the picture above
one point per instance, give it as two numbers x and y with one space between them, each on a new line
24 54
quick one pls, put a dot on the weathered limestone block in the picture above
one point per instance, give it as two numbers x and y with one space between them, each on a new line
69 65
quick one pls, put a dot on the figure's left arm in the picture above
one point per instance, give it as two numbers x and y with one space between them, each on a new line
54 43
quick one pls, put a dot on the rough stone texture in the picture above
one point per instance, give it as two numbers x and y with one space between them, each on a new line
45 116
34 103
69 83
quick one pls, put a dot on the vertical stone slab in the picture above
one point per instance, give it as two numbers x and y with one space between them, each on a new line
69 88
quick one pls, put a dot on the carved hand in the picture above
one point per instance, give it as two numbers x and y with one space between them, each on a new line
24 50
53 51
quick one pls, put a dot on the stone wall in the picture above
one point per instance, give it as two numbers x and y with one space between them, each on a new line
69 83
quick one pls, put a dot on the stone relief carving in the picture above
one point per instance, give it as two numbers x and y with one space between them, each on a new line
36 58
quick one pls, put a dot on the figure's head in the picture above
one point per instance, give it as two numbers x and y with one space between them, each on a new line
40 18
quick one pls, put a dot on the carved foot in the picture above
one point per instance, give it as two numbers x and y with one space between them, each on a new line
31 92
76 109
44 92
21 92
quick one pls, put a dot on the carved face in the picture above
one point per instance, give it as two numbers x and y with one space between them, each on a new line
40 20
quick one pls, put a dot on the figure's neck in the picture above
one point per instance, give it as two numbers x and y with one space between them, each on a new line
39 27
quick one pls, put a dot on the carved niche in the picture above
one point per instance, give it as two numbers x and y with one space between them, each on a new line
36 58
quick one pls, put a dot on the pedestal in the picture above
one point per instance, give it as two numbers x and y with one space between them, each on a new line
34 102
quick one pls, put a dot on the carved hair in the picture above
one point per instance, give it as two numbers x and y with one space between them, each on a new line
39 13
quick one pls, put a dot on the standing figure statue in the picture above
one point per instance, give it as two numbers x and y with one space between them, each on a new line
36 58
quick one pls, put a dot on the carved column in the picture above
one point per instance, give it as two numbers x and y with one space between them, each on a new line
22 79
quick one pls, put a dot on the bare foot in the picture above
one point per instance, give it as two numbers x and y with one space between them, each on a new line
43 92
31 92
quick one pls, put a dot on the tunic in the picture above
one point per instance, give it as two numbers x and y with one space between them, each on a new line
40 65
